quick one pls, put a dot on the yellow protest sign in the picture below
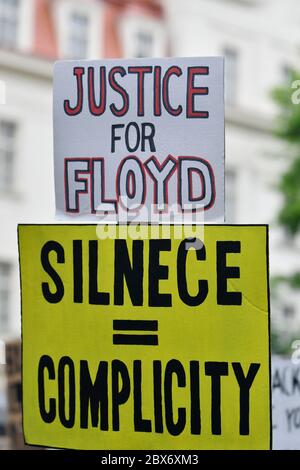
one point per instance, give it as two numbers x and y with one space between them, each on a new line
145 338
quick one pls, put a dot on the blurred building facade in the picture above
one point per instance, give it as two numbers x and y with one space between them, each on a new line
33 34
260 40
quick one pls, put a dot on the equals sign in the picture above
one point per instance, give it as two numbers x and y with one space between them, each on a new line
134 326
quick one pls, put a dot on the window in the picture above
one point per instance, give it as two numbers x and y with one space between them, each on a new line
144 44
9 10
231 196
231 65
5 270
7 153
78 37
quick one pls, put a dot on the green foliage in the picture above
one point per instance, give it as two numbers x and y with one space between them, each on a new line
277 344
288 129
282 344
289 185
293 281
288 124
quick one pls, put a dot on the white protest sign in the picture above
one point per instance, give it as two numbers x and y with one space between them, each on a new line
286 404
139 139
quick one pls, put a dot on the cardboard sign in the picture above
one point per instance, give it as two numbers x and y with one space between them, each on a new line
286 404
152 342
139 139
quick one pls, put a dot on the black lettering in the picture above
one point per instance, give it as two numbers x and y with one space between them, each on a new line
95 297
46 363
77 271
133 274
137 138
94 395
158 272
174 367
115 137
195 398
149 137
56 296
216 370
140 424
188 299
157 396
119 396
289 415
295 380
245 384
66 362
278 381
225 272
